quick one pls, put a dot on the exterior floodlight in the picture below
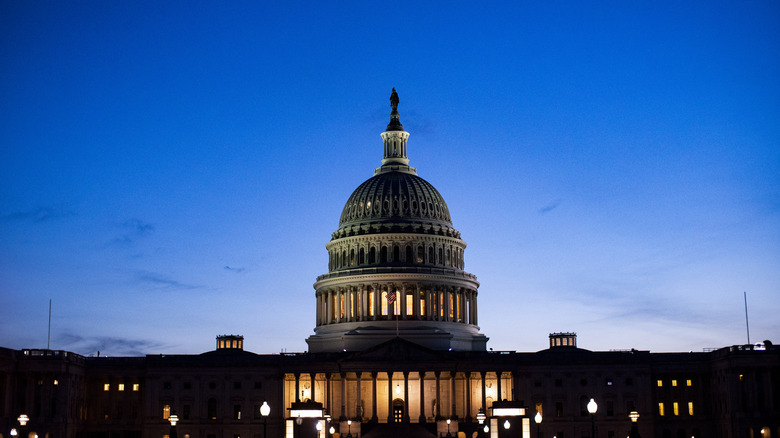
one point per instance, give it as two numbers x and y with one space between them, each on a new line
23 419
265 409
634 415
506 424
592 406
538 417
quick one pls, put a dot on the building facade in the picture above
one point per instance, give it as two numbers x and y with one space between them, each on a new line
396 351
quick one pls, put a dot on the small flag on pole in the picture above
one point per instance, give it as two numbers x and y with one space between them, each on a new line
391 297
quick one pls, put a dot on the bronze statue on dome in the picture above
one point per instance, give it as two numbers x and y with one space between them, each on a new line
394 100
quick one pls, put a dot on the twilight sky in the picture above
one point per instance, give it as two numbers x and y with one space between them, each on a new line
171 171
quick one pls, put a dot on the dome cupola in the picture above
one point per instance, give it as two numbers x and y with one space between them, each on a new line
396 264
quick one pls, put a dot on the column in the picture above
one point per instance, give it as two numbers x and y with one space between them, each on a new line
339 298
454 411
498 385
374 417
344 413
358 405
327 391
389 396
297 387
377 301
468 396
438 395
406 396
484 396
416 301
312 380
363 303
422 396
402 298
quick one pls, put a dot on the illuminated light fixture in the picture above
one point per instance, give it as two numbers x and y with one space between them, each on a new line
486 429
23 419
265 409
14 432
634 416
489 390
299 420
481 416
397 389
538 417
592 406
508 412
332 430
506 424
319 426
173 419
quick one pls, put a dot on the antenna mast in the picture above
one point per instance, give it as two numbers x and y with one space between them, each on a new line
747 324
48 341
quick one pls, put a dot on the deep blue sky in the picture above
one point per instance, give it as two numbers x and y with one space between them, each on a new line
170 171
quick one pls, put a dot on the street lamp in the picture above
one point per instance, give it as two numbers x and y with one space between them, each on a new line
481 416
173 418
538 421
592 408
634 416
349 432
264 411
23 419
448 427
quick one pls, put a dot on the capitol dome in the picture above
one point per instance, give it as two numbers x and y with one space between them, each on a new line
395 266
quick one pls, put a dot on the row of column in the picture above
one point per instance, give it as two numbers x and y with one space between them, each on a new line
371 303
446 384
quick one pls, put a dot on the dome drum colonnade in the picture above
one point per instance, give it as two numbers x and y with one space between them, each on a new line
396 264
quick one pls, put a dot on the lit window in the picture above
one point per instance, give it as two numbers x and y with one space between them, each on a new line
539 408
136 386
409 305
166 412
121 387
676 408
689 382
741 377
660 383
106 387
56 382
661 409
674 382
690 408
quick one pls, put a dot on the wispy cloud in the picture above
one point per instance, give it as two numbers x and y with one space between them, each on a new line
107 345
236 270
550 207
162 281
134 229
36 215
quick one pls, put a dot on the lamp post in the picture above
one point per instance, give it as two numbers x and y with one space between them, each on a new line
23 419
173 418
592 408
634 416
538 421
264 411
349 431
448 427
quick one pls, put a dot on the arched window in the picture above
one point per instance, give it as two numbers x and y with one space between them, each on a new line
383 255
409 254
430 260
344 258
361 256
396 253
420 254
352 257
371 255
422 303
440 260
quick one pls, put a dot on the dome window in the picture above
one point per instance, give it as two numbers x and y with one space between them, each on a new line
368 205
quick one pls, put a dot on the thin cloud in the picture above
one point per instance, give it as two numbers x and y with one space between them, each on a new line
550 207
37 215
107 345
236 270
135 229
162 281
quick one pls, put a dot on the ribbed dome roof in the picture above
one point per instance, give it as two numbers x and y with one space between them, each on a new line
395 197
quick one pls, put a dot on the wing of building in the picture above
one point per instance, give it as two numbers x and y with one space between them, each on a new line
396 352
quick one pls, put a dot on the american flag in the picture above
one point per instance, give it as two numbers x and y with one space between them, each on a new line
391 297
